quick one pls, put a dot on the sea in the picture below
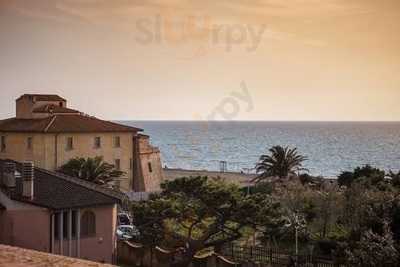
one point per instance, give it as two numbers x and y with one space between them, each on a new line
331 147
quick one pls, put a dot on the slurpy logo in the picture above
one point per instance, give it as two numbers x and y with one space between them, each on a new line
163 29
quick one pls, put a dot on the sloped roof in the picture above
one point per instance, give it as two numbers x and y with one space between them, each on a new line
24 125
43 97
57 191
64 124
55 109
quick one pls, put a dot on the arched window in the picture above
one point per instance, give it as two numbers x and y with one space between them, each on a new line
88 224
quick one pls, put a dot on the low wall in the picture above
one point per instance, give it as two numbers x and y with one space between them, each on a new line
131 254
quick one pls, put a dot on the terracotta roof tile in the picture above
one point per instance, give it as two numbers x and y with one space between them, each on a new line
64 124
24 125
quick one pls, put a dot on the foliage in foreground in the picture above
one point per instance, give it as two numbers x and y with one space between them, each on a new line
196 213
355 220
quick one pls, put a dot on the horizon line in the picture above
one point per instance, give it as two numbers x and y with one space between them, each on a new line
333 121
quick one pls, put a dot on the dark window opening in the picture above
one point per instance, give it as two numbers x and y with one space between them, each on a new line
29 143
97 142
56 226
3 144
70 143
65 225
88 224
74 213
117 141
150 168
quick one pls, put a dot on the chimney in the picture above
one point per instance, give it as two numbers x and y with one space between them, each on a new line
8 175
27 179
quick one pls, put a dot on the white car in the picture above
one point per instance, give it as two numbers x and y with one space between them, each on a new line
127 232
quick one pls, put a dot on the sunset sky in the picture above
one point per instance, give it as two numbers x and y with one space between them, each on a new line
184 60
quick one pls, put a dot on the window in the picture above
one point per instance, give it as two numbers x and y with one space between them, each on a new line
65 224
56 226
3 144
70 143
29 143
150 168
61 104
65 221
88 224
74 214
117 141
118 164
97 142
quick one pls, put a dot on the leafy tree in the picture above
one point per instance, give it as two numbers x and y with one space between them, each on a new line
328 207
91 169
395 178
374 250
282 162
197 213
345 178
366 173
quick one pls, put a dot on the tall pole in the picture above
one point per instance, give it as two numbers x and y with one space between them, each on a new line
297 242
296 227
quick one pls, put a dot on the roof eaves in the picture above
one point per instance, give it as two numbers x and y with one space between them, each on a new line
86 184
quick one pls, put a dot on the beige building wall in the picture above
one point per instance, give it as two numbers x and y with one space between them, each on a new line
49 151
17 148
84 146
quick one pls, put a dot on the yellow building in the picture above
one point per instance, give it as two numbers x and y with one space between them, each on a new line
49 133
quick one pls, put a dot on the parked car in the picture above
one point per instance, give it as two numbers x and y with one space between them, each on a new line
127 232
124 219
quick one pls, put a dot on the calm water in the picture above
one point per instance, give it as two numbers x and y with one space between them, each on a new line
330 147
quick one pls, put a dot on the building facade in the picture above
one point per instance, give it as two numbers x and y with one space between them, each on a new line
49 133
54 213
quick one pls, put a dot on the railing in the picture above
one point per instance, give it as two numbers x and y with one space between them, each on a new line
139 196
275 257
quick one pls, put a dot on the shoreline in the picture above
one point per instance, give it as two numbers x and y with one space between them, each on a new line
238 178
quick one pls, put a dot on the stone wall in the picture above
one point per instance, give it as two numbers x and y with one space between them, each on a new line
149 172
132 254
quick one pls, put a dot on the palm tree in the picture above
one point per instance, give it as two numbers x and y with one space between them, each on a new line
91 169
281 162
